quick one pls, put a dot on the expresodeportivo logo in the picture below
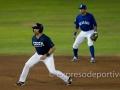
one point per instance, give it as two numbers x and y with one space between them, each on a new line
92 74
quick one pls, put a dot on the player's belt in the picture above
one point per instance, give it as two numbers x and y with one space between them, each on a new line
86 30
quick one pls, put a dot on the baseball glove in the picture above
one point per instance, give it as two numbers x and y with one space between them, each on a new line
94 37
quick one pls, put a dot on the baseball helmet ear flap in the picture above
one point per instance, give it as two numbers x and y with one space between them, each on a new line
38 26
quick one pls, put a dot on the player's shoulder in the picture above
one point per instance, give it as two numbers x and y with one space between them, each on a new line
89 14
45 36
79 15
33 37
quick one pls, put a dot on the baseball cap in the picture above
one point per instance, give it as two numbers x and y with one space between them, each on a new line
37 26
82 6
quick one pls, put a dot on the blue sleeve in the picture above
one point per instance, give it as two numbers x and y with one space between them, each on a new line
94 21
76 23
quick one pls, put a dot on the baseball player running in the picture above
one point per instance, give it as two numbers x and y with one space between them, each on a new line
88 26
44 49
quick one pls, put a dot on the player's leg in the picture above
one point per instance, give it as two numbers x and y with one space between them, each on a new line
31 62
49 62
80 38
91 46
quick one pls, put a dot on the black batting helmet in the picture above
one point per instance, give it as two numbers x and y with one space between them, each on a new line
38 26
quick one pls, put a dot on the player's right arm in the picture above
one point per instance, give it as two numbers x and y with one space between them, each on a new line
74 35
34 50
76 28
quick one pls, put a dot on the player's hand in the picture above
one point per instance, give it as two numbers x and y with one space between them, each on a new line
43 57
74 37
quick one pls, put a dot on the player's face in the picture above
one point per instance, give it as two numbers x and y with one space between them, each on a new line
36 31
82 11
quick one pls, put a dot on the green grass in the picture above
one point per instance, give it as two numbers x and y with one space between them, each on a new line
57 16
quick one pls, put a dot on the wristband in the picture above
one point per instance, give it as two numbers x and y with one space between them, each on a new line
95 31
75 33
47 54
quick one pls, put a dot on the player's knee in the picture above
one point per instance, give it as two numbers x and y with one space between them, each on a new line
90 43
27 65
75 46
53 72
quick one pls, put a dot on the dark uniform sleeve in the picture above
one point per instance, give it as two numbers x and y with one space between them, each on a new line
50 43
94 21
32 41
76 23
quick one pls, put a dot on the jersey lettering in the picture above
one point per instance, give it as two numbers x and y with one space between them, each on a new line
38 44
84 22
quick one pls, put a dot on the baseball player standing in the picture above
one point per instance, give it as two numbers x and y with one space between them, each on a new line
44 49
88 26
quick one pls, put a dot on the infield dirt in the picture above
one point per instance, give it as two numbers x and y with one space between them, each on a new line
104 74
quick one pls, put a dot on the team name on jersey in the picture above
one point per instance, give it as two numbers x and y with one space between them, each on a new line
38 44
84 22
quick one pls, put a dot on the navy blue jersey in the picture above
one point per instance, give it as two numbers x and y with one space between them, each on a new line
86 22
42 44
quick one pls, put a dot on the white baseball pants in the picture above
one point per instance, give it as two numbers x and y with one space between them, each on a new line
81 37
49 62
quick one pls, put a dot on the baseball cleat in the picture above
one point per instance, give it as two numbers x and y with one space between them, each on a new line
74 59
92 60
19 83
69 82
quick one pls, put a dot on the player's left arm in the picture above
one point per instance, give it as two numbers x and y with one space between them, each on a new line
49 53
95 28
94 36
51 50
94 24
